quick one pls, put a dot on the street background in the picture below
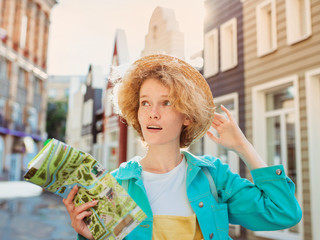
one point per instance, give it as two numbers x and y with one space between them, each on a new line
29 213
59 60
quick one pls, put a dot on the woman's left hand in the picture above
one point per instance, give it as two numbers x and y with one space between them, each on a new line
230 135
232 138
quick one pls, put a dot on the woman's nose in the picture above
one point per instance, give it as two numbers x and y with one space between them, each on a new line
154 114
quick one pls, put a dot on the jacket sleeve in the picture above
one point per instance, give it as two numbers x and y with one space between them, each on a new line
267 204
80 237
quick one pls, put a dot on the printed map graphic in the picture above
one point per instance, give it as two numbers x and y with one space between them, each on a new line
58 167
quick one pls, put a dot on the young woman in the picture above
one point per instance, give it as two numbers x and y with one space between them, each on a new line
170 105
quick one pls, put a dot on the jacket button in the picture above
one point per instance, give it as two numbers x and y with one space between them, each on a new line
201 204
278 171
211 235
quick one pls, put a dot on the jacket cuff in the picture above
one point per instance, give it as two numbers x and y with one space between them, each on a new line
272 173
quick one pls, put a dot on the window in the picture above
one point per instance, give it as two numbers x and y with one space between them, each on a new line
298 20
37 85
230 101
2 105
21 78
3 69
312 82
211 54
33 119
16 114
87 112
155 33
276 136
280 126
228 43
2 110
266 27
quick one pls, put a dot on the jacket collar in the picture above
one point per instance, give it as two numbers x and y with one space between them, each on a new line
130 169
133 169
195 164
202 161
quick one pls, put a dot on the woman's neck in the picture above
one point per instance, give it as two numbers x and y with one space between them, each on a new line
161 159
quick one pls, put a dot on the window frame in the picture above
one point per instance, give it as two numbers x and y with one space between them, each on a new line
33 118
211 53
231 61
262 50
259 137
312 81
291 24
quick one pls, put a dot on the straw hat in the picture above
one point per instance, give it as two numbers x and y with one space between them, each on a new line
190 73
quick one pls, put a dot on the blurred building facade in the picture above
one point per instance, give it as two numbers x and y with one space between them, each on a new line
163 34
274 72
24 31
74 115
84 125
115 136
58 103
92 103
59 86
282 93
261 60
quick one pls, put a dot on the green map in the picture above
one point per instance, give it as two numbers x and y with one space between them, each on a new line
58 167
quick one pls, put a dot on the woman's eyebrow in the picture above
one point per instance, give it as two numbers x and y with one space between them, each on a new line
162 96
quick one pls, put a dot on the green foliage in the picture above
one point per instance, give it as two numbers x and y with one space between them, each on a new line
56 120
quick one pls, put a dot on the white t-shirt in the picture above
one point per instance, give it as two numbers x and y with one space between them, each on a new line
167 192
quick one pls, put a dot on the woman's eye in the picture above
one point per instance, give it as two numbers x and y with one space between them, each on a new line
144 103
167 103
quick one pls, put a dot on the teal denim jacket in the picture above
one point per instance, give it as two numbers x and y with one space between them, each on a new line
267 204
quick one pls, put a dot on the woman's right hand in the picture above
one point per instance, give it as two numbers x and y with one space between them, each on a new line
77 214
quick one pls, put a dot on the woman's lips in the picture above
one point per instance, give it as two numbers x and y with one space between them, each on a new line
154 128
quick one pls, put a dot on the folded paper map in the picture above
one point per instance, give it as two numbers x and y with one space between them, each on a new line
58 167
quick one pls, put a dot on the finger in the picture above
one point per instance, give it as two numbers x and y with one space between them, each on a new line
82 215
227 112
216 122
214 125
71 195
86 206
219 117
213 137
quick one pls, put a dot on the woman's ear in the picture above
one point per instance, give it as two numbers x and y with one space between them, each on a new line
187 121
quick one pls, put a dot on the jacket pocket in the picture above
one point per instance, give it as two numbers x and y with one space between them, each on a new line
220 213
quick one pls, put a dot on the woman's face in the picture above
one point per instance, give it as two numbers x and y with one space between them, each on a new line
160 122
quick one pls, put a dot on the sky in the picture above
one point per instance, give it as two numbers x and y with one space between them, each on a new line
82 32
